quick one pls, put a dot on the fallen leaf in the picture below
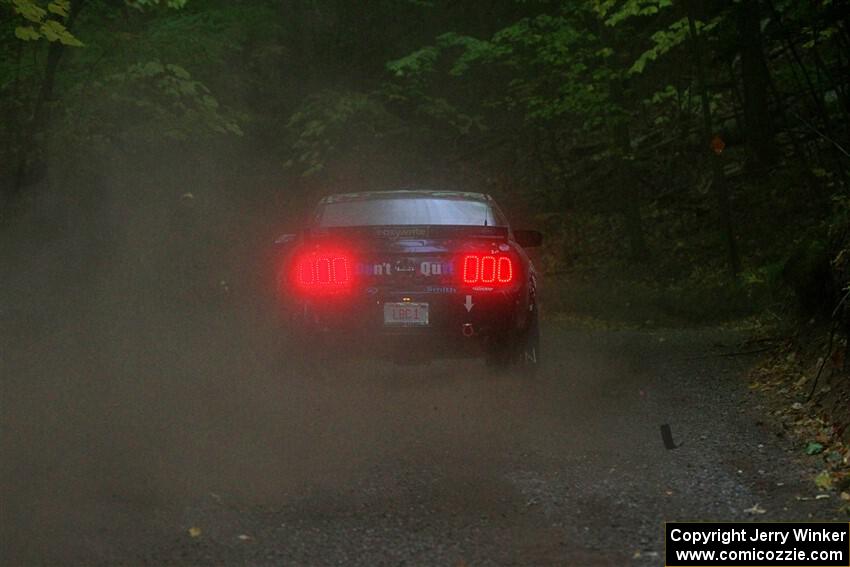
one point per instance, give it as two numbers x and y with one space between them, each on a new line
194 532
823 480
756 509
245 537
834 457
814 448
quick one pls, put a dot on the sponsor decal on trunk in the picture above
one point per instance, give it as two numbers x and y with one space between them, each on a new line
440 289
402 232
407 266
431 268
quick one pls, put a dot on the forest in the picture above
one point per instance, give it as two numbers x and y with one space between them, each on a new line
696 149
701 144
687 162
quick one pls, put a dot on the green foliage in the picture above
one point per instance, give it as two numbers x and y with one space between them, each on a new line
53 30
417 63
667 39
204 40
59 8
328 119
615 14
143 5
581 110
27 33
664 41
29 10
552 68
154 98
472 51
36 22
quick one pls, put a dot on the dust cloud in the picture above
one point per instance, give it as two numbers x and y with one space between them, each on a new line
144 366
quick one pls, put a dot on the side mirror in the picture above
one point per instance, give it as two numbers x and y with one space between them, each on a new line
285 239
528 238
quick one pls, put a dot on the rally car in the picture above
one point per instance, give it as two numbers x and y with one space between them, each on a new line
412 275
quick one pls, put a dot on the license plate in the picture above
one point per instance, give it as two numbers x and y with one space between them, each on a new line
405 314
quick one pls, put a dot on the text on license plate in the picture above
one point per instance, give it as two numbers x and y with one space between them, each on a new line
405 313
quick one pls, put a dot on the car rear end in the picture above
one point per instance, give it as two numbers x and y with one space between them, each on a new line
408 290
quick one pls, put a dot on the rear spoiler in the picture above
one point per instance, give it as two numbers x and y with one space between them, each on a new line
413 232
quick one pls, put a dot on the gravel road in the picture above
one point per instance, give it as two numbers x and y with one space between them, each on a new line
119 438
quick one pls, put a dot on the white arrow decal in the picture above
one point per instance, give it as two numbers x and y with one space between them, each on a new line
468 303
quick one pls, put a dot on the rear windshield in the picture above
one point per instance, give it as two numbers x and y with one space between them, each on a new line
408 211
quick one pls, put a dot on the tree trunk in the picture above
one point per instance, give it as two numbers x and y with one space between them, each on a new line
627 190
31 161
721 189
12 128
755 77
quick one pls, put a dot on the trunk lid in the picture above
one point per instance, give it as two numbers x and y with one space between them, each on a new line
411 257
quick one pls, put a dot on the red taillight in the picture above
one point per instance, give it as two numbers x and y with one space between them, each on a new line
323 271
487 269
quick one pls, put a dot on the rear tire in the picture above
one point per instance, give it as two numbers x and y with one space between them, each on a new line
517 353
529 347
302 339
499 355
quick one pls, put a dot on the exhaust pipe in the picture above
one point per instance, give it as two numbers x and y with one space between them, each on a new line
468 330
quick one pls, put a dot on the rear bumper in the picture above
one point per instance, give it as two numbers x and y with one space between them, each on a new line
457 325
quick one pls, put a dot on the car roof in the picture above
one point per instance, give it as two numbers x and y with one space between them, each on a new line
405 194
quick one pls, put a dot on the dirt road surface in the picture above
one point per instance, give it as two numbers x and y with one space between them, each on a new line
133 435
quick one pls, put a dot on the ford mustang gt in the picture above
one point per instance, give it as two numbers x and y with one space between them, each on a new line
412 275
